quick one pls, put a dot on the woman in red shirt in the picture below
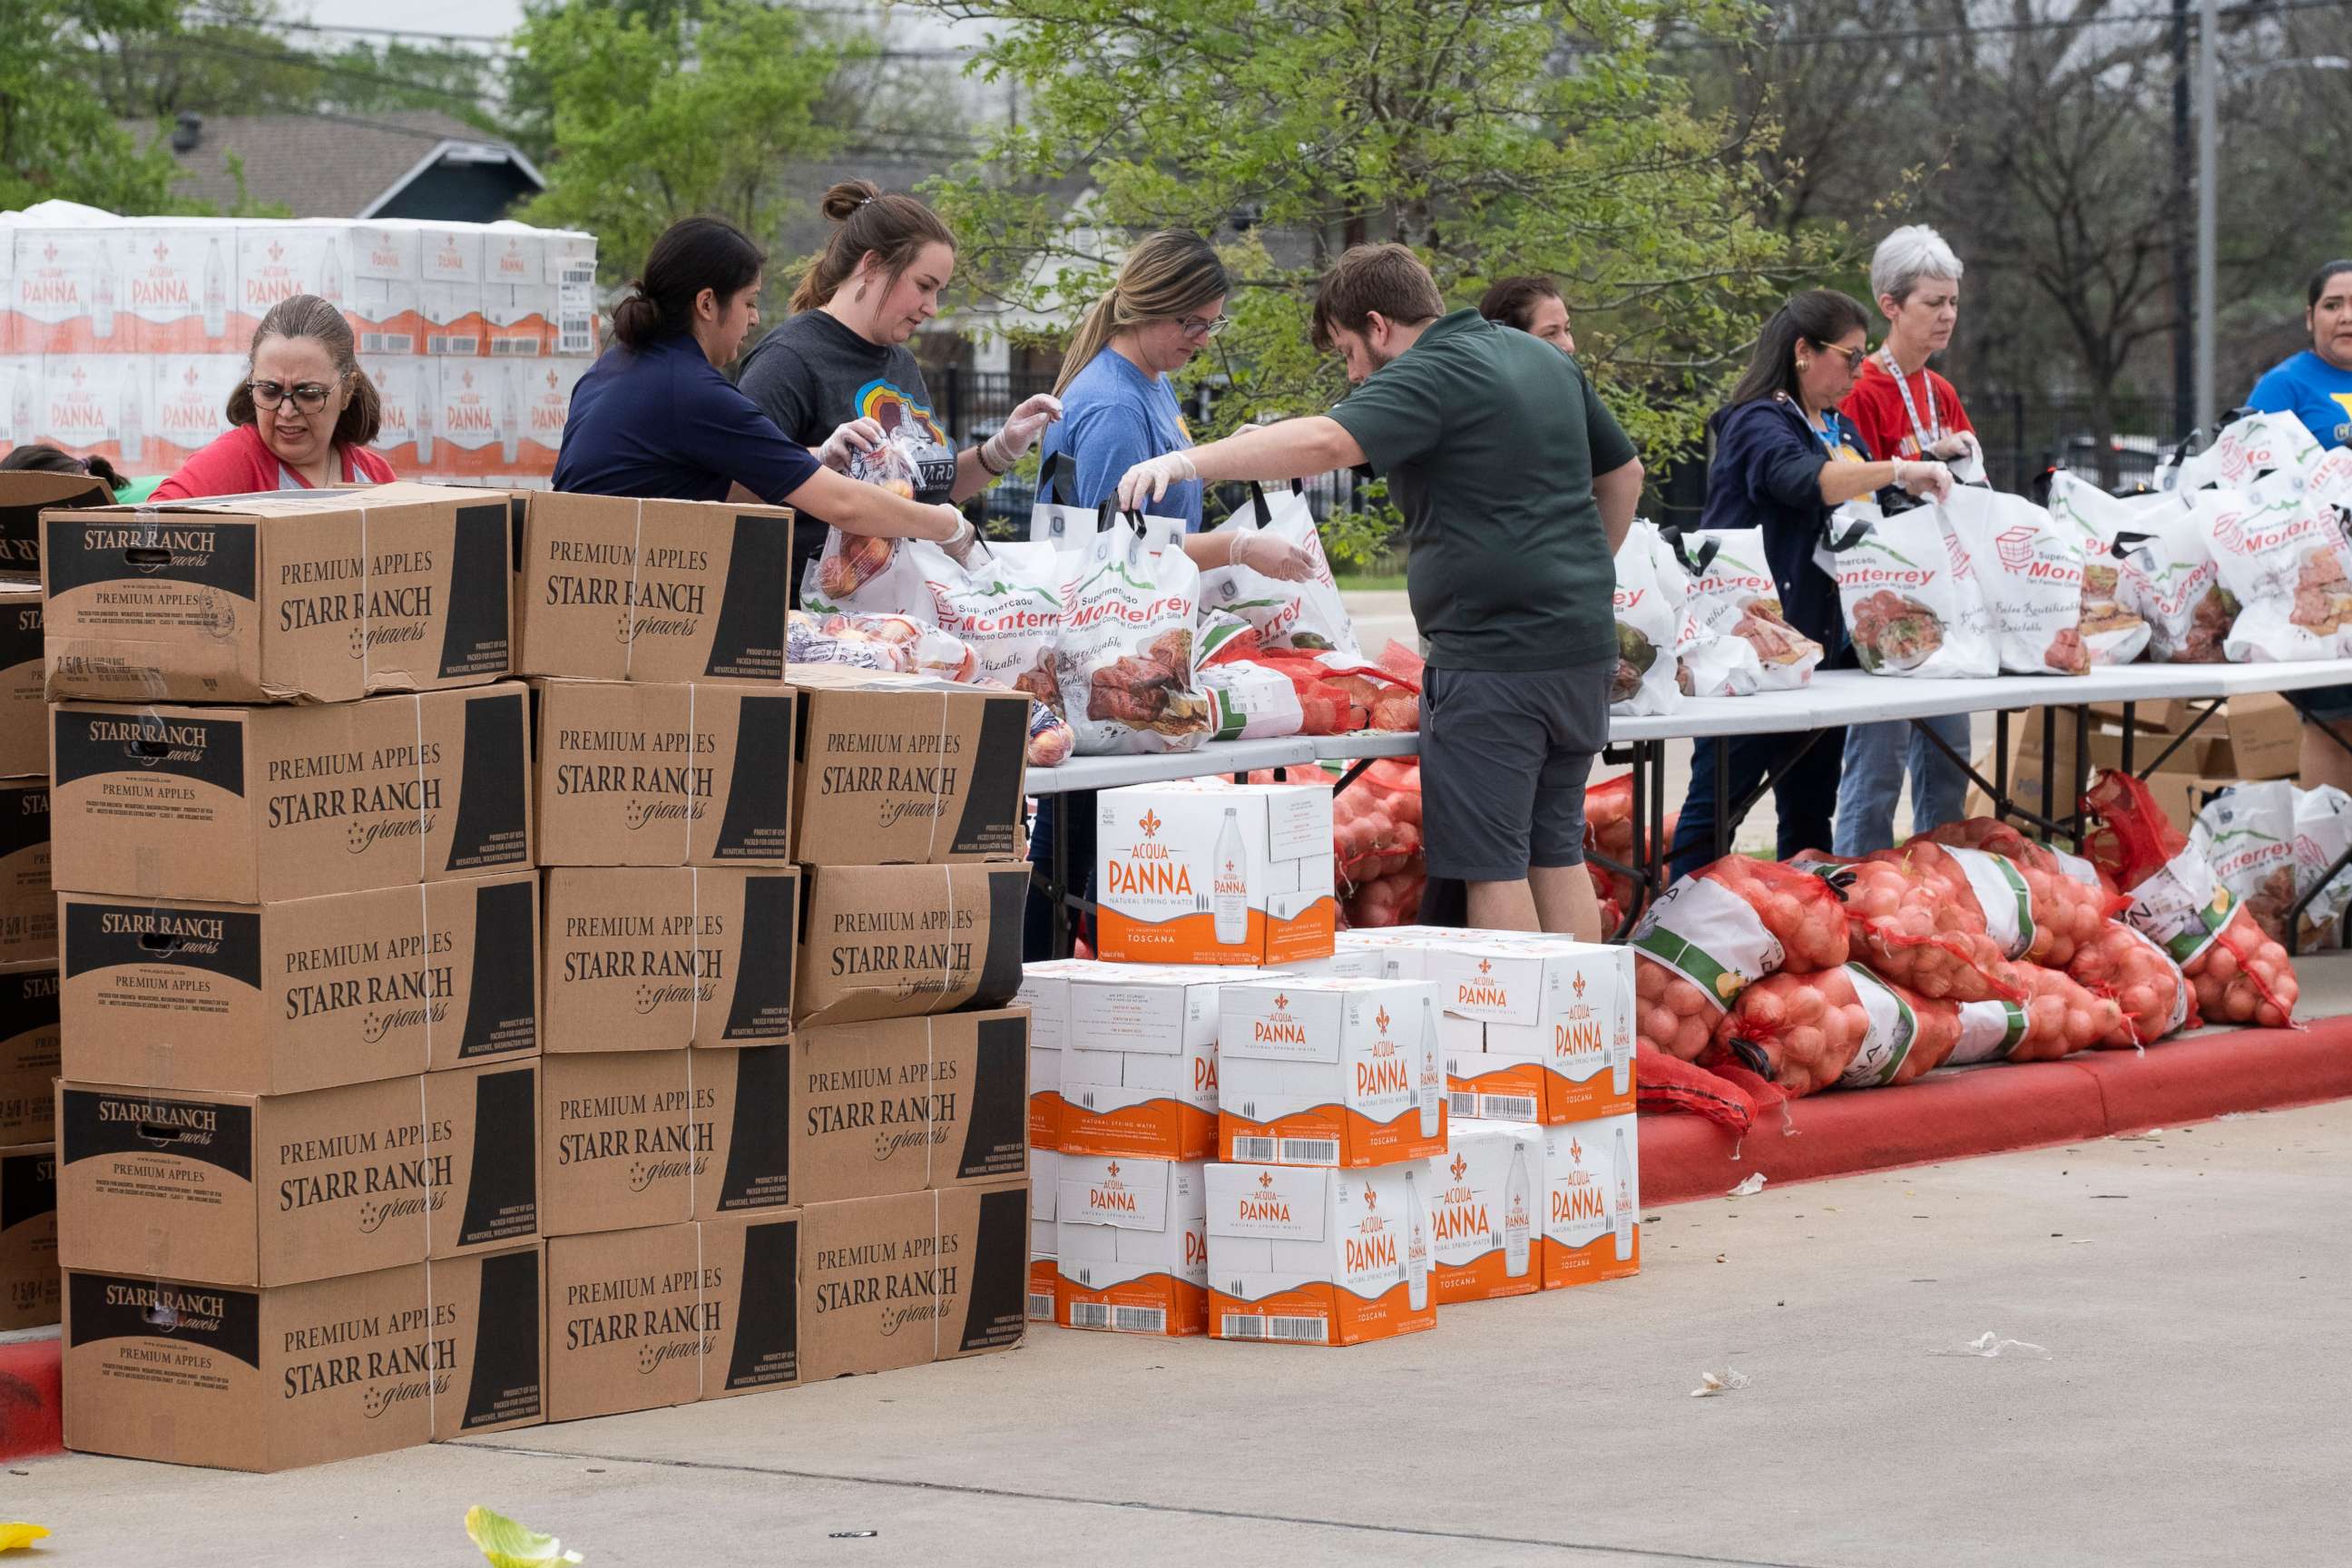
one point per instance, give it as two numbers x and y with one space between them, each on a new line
300 420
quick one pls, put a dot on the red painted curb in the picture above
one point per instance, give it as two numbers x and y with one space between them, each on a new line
30 1400
1986 1111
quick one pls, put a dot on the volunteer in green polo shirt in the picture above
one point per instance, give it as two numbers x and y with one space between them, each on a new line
1516 486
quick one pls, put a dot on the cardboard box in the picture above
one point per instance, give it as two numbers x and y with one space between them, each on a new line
174 288
1329 1072
24 714
915 1277
2262 740
638 1319
189 409
1319 1257
253 806
449 293
1208 872
381 298
895 942
907 1104
1593 1202
1044 1274
29 1237
1045 992
908 769
241 1189
305 596
275 261
1140 1078
192 1373
25 495
647 958
64 300
671 775
614 588
1131 1245
1485 1224
281 998
643 1138
1564 1007
28 1053
29 907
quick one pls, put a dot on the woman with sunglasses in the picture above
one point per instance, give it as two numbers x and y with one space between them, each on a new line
1783 461
301 418
837 372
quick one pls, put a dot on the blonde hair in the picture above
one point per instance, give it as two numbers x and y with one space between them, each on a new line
1166 276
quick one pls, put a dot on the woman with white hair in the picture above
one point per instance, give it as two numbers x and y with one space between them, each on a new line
1903 409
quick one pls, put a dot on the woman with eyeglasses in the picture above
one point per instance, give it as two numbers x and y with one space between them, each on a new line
302 418
838 369
1784 460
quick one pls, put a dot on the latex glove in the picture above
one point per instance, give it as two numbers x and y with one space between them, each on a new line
961 535
1271 555
1931 480
846 441
1960 445
1021 430
1149 480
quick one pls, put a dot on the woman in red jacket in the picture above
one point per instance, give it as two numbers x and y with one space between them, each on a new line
300 419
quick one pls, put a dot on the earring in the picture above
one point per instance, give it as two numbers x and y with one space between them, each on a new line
1803 365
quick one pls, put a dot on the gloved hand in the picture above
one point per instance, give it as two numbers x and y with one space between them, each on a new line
846 441
1958 446
961 536
1271 555
1020 431
1149 480
1931 480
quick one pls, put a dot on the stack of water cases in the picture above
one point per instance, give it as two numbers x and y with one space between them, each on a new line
122 338
785 1129
295 1140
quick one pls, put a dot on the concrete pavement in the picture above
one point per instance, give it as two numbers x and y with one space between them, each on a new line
2190 1287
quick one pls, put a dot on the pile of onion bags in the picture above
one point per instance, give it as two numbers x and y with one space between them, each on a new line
1907 927
1719 930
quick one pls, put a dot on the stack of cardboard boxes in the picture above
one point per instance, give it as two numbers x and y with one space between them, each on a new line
296 1159
2189 752
28 964
768 1156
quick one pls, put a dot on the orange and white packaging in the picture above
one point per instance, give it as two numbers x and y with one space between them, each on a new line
1484 1220
1045 992
381 302
63 300
449 295
1131 1247
1329 1072
187 408
1566 1006
1593 1202
1139 1074
1045 1193
172 290
1319 1257
1203 871
275 261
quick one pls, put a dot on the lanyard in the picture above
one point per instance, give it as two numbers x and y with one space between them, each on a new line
1827 434
1930 433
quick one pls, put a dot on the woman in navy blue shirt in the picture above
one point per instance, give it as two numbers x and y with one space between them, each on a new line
1783 461
655 417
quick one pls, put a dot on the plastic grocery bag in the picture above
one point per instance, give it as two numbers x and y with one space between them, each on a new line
2323 832
2290 568
1055 520
2248 831
2169 577
2112 631
2031 570
858 575
898 643
1005 601
2250 446
1308 614
1124 664
1732 594
1911 599
1649 622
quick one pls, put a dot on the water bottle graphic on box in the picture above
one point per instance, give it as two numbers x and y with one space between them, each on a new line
1416 1248
1622 1209
1430 1088
1518 1215
1229 900
215 293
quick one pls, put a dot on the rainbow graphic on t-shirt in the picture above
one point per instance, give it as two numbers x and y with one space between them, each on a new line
887 405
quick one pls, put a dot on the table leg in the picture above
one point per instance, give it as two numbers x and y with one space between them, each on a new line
1063 944
2131 728
1996 787
1726 823
2082 780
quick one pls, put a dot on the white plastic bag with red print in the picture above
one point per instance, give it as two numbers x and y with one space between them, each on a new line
1308 614
1912 602
1649 627
2168 576
1124 665
1732 594
2113 631
2254 448
1005 602
2030 571
2290 568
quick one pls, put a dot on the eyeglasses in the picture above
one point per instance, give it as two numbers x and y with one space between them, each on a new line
1197 329
1853 357
308 396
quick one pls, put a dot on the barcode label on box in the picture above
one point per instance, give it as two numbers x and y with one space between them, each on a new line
1139 1320
510 348
1506 1107
450 343
1086 1099
1256 1326
1253 1151
1041 1306
1090 1314
387 343
1309 1152
1462 1104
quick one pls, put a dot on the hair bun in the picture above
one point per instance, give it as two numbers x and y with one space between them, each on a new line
847 197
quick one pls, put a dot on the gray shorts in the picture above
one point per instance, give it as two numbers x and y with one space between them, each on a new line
1504 760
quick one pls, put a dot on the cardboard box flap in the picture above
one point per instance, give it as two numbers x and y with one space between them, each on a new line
25 495
1282 1202
310 503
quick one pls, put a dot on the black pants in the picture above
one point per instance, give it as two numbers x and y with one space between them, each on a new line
1037 915
1804 792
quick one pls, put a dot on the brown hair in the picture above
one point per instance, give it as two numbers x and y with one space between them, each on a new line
1167 277
865 219
1512 301
308 316
1387 279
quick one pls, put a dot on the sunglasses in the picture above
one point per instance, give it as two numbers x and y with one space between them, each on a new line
1853 357
307 396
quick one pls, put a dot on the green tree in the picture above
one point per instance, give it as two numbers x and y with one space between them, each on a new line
59 138
657 113
1494 137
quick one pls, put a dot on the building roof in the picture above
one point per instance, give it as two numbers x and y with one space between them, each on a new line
329 165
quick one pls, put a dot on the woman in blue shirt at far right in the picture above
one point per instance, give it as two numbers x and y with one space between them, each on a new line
1119 409
2314 385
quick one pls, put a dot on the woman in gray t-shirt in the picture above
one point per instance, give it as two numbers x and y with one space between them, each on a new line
841 356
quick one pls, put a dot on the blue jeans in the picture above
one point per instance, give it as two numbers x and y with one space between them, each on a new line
1876 758
1802 794
1037 915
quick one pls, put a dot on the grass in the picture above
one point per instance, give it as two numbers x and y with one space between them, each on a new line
1373 582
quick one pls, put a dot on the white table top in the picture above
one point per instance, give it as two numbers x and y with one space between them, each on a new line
1833 697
